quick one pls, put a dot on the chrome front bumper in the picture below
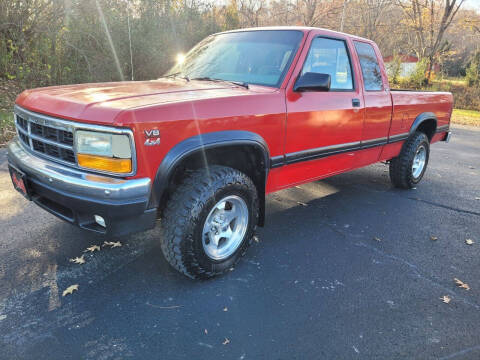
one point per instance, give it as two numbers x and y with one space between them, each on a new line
76 196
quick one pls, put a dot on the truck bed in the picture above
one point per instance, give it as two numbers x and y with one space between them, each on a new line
407 104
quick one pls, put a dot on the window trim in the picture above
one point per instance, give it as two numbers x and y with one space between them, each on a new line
361 69
347 49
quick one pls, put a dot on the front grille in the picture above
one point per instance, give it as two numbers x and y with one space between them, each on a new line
46 137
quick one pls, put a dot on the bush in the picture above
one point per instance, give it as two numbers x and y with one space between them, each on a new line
467 98
393 69
464 97
418 77
473 70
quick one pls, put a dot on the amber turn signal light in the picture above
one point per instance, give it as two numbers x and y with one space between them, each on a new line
102 163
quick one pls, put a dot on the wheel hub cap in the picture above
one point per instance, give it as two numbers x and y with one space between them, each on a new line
225 227
419 161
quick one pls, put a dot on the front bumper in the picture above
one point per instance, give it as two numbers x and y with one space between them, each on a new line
76 196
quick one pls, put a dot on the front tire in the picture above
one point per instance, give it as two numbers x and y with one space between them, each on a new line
408 168
209 221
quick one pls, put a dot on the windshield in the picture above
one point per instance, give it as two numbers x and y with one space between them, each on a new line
249 57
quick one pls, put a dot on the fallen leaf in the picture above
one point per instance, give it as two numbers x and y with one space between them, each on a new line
301 203
461 284
164 307
112 244
433 238
227 341
92 248
78 260
446 299
377 238
205 331
469 242
225 309
70 290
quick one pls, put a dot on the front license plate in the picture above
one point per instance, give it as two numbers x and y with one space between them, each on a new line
19 180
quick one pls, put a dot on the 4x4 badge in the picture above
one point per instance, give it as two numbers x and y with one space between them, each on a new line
151 142
152 137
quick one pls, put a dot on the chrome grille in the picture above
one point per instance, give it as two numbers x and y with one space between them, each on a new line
47 137
53 138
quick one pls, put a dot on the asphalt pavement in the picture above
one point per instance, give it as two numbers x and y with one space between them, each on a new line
345 268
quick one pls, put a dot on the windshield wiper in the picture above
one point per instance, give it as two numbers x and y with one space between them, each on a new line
238 83
175 75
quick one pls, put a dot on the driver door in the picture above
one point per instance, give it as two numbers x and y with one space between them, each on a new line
323 127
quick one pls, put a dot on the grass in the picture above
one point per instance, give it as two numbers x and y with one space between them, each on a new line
452 81
466 117
7 129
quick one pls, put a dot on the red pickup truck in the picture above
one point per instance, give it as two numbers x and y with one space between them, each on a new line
243 114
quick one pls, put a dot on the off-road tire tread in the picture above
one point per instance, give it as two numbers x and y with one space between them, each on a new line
182 212
400 167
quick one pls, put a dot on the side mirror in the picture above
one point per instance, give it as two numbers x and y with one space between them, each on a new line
312 82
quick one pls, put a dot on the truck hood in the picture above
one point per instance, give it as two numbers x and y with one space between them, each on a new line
101 103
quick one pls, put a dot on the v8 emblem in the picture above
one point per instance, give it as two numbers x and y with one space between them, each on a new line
152 133
152 137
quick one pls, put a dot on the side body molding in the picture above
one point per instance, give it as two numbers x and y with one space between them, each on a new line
204 142
420 119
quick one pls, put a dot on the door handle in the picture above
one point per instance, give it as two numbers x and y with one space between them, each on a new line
356 102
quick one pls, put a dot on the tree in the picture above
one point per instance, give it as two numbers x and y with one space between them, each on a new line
428 20
473 70
252 11
231 16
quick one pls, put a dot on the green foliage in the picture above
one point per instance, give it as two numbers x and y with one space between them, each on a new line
6 126
83 42
231 16
473 71
394 69
418 78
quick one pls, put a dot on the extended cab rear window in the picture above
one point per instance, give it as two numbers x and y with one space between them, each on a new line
259 57
372 76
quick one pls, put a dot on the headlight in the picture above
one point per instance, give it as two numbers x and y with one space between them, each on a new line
104 151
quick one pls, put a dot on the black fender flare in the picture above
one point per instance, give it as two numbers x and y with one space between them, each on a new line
420 119
208 141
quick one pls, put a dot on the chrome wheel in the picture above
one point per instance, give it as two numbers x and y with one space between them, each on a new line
419 161
225 227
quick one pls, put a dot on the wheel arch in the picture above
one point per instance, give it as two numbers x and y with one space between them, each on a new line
243 150
426 122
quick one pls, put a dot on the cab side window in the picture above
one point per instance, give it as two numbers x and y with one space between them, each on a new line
372 76
329 56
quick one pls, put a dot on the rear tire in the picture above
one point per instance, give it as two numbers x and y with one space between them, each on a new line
408 168
209 221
